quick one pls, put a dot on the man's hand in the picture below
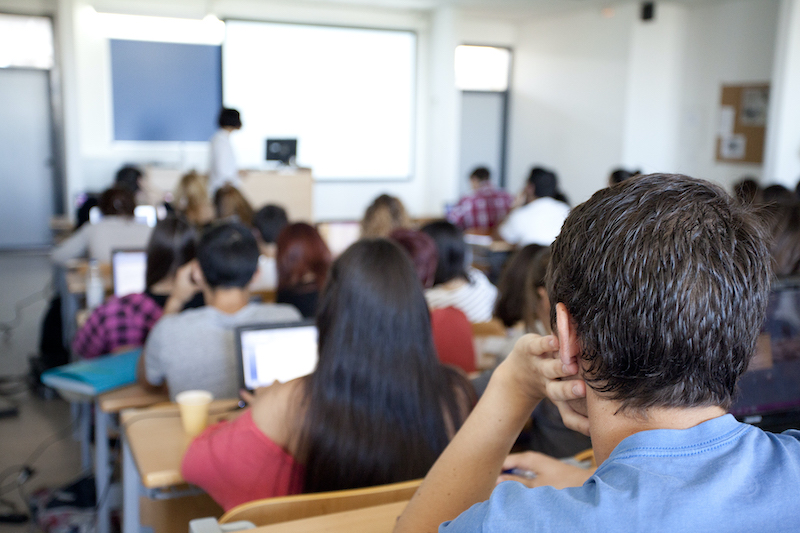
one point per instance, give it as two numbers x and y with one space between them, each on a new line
533 370
184 288
549 471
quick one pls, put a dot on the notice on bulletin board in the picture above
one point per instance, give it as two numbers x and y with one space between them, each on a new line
742 125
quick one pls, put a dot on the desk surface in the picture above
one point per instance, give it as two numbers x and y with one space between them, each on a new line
158 442
378 519
129 397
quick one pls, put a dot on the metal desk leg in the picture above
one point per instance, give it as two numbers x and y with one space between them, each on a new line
83 431
130 490
102 470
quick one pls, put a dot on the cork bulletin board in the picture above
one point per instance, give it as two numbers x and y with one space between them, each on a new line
742 123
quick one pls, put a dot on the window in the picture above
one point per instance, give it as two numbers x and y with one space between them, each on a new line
26 42
482 68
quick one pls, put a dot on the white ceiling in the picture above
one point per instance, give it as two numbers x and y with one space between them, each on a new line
500 8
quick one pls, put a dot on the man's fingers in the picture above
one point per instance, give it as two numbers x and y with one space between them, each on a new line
572 419
565 390
537 345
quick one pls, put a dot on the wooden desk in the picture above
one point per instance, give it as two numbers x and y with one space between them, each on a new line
291 188
378 519
153 444
158 460
130 397
76 277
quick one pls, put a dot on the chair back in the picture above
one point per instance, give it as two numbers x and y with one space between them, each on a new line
275 510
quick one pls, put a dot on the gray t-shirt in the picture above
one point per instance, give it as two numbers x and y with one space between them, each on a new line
196 349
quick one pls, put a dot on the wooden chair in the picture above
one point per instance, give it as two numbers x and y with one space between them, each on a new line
275 510
586 455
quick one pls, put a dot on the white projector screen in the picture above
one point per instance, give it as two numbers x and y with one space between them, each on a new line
345 94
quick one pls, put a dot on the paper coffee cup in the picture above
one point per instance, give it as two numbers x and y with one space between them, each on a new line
194 405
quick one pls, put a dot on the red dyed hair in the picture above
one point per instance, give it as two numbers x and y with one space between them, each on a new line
422 250
301 251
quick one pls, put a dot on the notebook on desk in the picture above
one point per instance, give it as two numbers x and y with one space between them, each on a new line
770 389
275 352
94 376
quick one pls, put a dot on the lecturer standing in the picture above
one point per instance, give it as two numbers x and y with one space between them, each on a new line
222 165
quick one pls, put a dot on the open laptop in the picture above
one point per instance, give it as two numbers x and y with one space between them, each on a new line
769 392
275 352
339 235
128 271
143 214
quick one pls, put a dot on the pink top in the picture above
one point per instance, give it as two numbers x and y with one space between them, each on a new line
234 462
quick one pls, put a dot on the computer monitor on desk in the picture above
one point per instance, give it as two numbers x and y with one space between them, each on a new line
283 150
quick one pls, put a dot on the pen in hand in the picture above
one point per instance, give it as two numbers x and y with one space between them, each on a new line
519 472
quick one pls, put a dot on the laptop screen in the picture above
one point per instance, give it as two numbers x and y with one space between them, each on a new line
339 235
129 270
772 381
276 352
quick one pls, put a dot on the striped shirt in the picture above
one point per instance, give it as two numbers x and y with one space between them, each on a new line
474 298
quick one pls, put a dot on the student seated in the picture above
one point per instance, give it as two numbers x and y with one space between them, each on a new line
125 322
384 215
542 211
658 287
268 222
116 230
230 204
456 284
452 332
303 260
195 349
379 408
485 207
192 200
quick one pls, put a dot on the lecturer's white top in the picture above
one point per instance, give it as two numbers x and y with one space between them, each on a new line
538 222
222 164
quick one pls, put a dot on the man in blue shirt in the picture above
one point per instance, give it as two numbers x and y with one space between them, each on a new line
658 287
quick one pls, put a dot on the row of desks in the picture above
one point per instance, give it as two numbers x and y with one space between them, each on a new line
154 443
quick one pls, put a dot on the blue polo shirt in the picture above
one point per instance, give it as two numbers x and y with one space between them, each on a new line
718 476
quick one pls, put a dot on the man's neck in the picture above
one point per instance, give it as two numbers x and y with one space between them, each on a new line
229 300
610 425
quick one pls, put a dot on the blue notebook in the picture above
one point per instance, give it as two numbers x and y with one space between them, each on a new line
96 375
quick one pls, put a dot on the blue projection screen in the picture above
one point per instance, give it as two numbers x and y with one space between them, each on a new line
165 91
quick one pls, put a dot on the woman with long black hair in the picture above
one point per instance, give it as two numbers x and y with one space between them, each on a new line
379 407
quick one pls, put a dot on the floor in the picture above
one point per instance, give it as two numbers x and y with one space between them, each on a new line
40 436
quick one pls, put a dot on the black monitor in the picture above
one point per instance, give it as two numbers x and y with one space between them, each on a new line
283 150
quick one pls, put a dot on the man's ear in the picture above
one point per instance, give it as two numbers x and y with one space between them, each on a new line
569 347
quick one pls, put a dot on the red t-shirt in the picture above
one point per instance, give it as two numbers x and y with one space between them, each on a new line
452 336
234 462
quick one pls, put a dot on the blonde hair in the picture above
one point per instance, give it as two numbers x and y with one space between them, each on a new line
191 198
229 202
385 215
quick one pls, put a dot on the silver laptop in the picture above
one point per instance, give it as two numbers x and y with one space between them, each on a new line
275 352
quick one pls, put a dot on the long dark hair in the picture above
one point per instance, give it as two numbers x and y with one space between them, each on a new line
510 304
451 248
379 403
171 245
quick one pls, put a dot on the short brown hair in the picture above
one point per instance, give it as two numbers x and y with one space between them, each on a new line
667 279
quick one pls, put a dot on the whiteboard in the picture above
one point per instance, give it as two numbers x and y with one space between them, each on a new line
346 94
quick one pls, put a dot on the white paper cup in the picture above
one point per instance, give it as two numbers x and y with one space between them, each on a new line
194 410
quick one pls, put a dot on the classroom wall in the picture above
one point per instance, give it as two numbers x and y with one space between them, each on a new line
726 43
783 137
568 100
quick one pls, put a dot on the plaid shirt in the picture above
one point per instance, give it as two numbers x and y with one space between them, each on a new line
119 322
483 209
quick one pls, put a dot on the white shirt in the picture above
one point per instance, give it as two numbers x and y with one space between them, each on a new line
538 222
222 163
474 298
